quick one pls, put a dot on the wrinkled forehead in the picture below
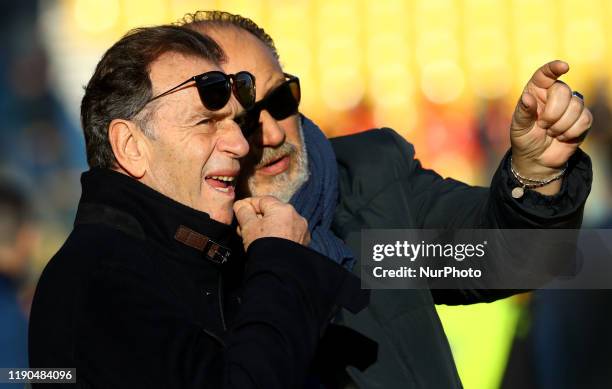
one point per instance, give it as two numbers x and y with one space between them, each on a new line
244 51
172 68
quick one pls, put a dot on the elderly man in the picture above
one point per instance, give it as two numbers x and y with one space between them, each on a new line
381 185
150 289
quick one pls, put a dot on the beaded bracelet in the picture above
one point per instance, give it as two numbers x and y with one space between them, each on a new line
530 183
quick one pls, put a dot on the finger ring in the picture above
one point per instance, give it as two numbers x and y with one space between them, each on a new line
578 94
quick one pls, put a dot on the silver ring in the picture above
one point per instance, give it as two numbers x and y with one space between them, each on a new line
578 94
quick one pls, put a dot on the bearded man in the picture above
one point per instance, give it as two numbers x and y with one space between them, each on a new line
372 180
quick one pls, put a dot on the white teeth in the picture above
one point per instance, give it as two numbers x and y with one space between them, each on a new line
223 178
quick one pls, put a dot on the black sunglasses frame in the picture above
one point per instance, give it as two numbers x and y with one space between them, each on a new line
231 86
249 120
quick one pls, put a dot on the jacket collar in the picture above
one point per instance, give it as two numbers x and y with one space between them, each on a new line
117 200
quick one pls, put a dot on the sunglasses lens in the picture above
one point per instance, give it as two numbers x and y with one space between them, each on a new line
214 90
281 103
244 89
284 101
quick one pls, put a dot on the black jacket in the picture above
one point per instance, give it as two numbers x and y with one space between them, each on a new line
132 303
383 186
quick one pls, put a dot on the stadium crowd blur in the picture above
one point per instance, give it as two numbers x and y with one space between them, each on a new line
42 156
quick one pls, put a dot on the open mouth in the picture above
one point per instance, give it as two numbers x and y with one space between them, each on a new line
224 184
276 166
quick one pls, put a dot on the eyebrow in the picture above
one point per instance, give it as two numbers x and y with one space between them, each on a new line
206 114
268 79
195 116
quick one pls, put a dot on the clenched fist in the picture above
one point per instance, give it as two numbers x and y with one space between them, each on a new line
266 216
548 125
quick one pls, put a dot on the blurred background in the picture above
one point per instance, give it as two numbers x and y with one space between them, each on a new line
446 74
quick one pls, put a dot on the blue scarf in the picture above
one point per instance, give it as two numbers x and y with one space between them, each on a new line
317 198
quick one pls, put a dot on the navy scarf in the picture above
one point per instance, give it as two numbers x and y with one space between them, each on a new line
317 198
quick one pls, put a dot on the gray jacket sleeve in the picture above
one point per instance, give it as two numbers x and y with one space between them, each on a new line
383 185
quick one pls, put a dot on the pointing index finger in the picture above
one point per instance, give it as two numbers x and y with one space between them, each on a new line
546 75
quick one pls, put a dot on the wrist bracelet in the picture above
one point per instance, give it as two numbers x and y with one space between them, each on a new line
530 183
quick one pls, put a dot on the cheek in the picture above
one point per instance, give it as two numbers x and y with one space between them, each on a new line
180 160
291 127
201 148
169 169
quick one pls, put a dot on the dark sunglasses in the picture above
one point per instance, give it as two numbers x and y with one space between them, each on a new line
215 89
282 102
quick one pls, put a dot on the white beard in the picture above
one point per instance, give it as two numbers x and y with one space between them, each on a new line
284 187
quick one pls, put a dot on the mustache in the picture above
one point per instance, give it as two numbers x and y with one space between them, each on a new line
270 154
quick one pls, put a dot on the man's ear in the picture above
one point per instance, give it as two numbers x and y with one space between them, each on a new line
129 147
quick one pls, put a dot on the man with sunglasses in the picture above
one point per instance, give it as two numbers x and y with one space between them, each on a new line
150 290
372 180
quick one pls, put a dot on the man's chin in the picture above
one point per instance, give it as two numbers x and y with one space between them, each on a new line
277 186
218 204
225 218
222 213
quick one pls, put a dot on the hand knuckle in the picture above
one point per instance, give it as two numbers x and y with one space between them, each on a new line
562 86
590 116
577 102
270 199
586 121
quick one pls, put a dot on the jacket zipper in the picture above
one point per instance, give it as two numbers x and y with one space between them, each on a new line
220 293
214 336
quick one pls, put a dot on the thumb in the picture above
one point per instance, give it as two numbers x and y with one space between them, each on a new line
525 114
264 204
244 212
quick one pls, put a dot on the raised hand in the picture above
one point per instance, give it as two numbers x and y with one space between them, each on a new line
266 216
548 125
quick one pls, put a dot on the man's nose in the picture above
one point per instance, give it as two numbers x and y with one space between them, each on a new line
232 140
272 133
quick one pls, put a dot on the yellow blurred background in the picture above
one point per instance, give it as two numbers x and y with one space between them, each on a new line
384 62
444 73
